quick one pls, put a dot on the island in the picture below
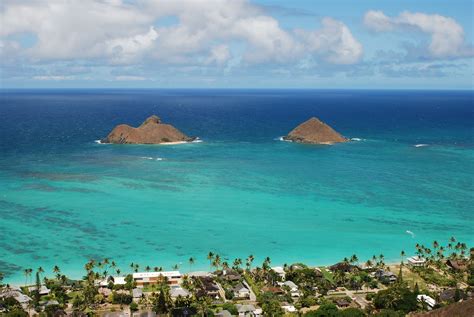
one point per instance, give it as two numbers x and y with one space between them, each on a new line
152 131
314 131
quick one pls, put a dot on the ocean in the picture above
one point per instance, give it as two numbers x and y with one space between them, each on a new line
65 199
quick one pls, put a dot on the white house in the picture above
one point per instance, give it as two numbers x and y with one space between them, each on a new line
429 301
288 308
280 271
240 291
294 291
178 291
42 291
416 261
146 278
116 280
248 310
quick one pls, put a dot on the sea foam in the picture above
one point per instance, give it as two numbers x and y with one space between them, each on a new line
421 145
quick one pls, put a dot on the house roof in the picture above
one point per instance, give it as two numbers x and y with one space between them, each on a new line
416 259
240 287
137 292
178 291
175 274
427 299
456 264
245 308
290 284
278 269
223 313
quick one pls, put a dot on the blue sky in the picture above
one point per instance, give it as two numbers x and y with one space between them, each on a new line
424 44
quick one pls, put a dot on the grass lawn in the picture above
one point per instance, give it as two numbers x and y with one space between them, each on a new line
327 274
408 276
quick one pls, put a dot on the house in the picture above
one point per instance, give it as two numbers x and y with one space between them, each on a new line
147 278
223 313
456 265
449 295
178 291
116 280
16 293
343 267
137 292
416 261
42 291
294 291
288 308
385 276
240 291
248 310
429 301
273 289
208 287
342 302
105 291
280 271
231 275
318 272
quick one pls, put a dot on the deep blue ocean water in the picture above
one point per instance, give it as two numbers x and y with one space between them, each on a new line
65 199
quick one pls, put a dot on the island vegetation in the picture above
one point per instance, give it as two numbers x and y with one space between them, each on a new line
435 277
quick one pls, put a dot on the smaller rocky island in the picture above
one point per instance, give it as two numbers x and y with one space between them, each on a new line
314 131
152 131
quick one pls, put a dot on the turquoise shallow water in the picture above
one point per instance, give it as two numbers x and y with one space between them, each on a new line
65 199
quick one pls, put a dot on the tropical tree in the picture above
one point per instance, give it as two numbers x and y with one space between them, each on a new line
210 257
191 262
249 262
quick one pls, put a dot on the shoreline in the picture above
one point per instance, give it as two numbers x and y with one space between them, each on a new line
78 275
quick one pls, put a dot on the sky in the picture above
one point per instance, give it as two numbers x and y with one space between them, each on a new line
335 44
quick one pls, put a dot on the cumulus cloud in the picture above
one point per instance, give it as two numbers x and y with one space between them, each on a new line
334 42
205 32
447 36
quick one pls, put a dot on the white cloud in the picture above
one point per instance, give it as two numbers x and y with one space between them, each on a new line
130 78
447 36
334 42
53 77
205 33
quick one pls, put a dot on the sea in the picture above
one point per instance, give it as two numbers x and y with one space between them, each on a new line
405 178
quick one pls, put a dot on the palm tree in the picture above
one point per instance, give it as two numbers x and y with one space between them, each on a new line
402 255
191 262
210 257
148 268
250 259
118 272
225 265
217 261
26 272
237 263
175 267
368 264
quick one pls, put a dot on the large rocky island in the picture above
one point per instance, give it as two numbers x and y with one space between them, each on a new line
314 131
152 131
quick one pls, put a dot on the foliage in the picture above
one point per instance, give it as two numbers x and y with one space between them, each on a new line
133 307
351 312
272 308
325 310
231 308
397 297
389 313
160 305
121 298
